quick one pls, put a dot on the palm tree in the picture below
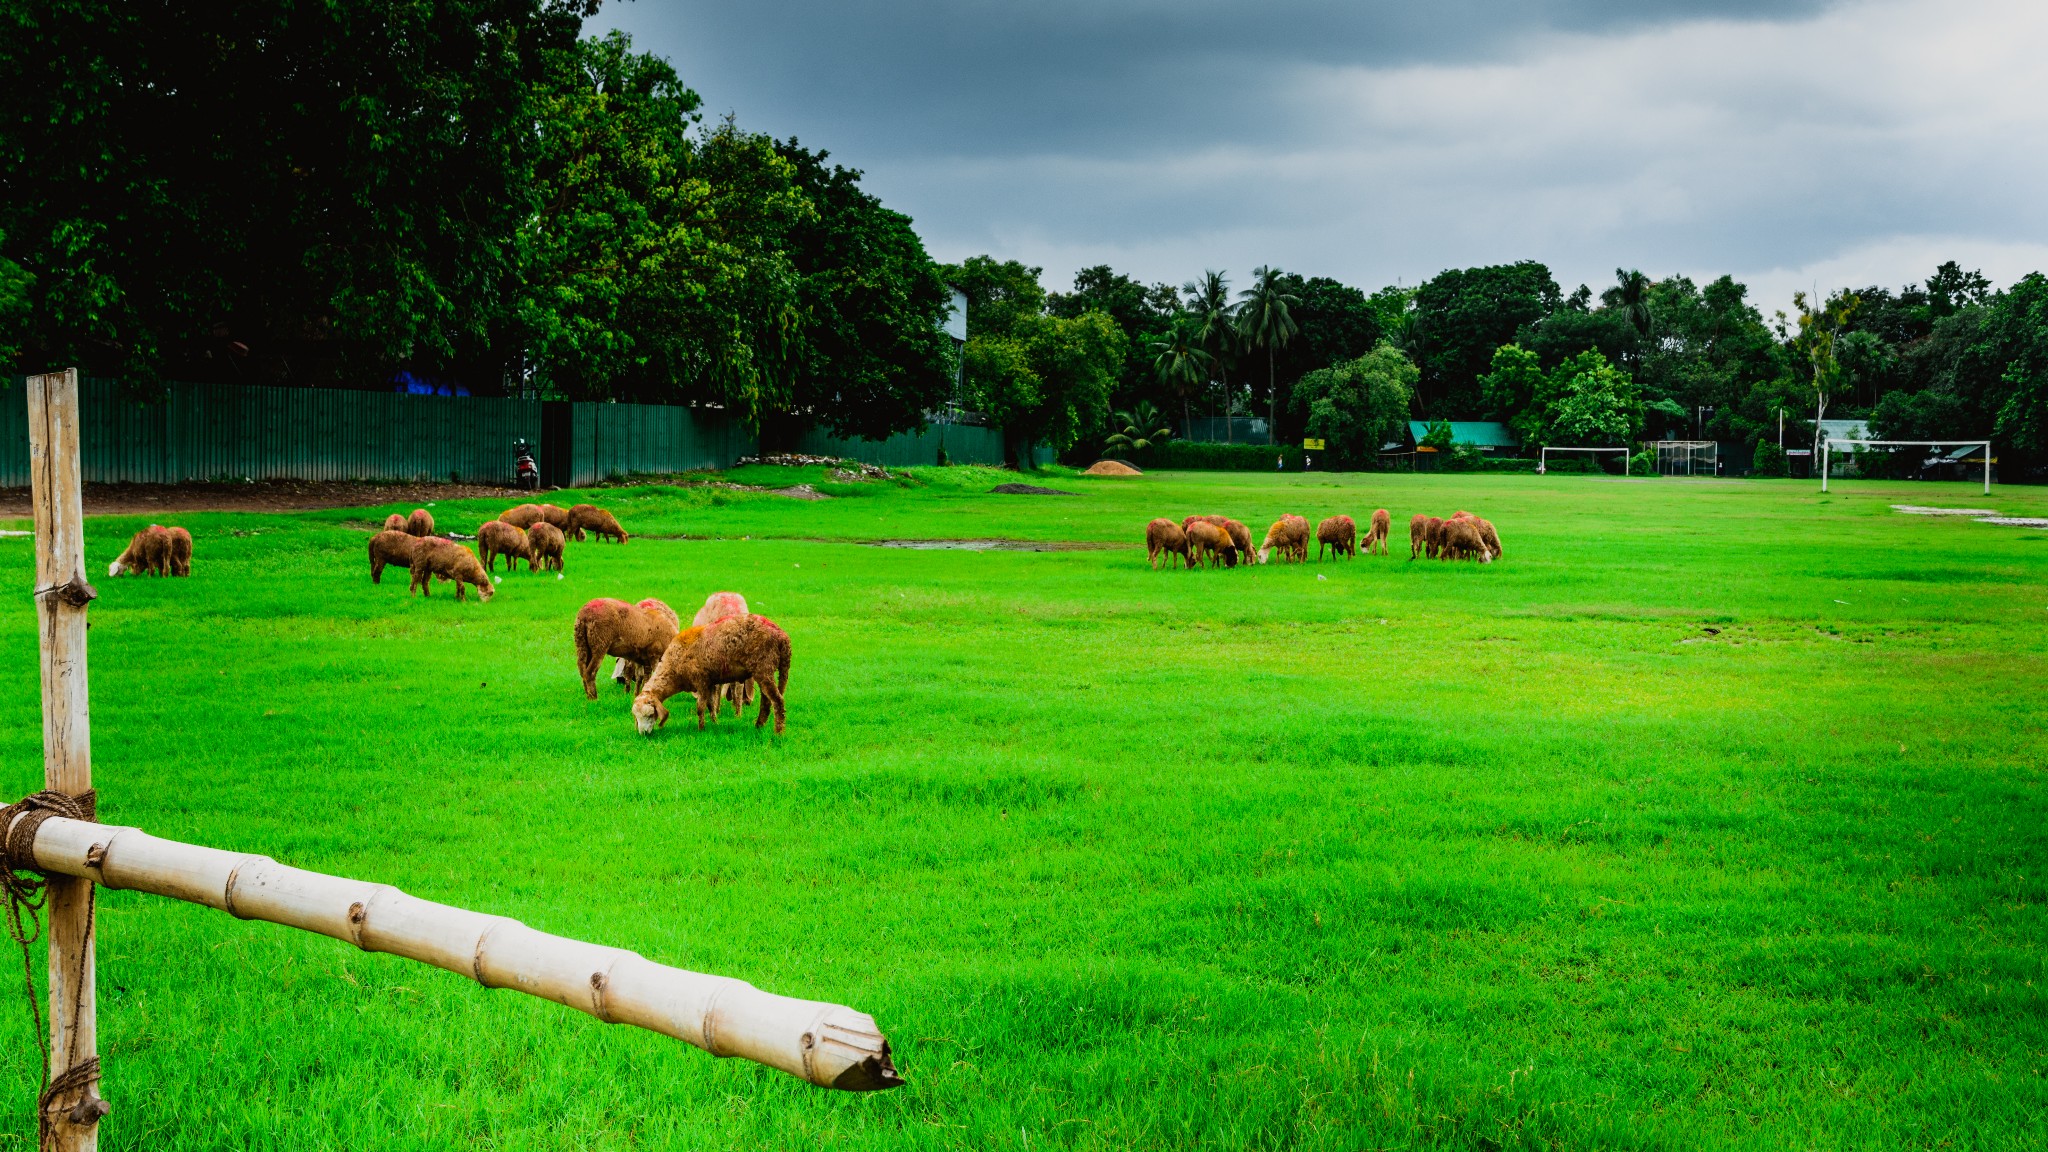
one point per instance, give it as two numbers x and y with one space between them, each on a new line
1266 322
1631 297
1217 333
1141 427
1182 364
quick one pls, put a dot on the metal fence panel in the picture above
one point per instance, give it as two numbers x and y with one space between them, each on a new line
964 444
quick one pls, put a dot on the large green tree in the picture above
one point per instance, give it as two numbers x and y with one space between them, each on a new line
1460 317
1044 379
1359 405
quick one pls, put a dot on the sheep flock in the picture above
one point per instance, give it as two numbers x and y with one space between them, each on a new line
1221 542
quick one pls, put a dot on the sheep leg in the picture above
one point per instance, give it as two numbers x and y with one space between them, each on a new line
770 694
701 694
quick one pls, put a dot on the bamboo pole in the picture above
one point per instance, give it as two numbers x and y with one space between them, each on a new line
827 1044
71 1116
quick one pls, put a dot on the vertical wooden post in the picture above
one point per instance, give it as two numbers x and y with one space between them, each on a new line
72 1117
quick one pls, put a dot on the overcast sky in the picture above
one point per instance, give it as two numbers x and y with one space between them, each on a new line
1793 143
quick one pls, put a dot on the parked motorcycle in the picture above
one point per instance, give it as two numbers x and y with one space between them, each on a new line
525 472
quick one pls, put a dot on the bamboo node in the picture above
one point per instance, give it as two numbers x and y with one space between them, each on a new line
95 856
75 592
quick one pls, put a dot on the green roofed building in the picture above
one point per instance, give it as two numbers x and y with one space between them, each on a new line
1490 436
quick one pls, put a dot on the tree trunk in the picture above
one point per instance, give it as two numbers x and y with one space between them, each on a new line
1272 401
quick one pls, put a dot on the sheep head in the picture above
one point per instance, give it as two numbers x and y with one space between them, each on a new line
648 713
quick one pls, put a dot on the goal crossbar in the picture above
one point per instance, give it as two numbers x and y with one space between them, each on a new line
1543 457
1827 448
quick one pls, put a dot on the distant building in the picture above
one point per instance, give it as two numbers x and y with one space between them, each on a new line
1489 436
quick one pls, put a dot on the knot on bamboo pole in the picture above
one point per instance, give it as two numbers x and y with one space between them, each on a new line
80 1079
75 592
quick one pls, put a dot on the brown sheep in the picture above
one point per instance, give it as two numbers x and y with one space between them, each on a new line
1486 532
497 538
420 523
637 634
1376 536
1460 540
1418 534
1289 534
721 606
1210 544
148 552
545 542
395 522
1433 537
740 648
630 674
439 556
523 517
558 516
1340 534
390 546
1163 536
178 562
596 521
1240 536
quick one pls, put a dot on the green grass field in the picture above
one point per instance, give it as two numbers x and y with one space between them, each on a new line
1712 816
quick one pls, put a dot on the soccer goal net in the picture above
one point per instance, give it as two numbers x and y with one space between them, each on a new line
1688 458
1828 446
1543 457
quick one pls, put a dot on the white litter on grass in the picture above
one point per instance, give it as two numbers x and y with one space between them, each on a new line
1320 576
1841 601
1924 510
497 579
2015 521
12 532
558 575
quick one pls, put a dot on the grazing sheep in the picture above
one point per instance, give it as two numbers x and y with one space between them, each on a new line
1289 534
1418 534
1487 534
1164 536
722 606
497 538
523 517
1240 536
545 542
1433 536
630 674
178 559
596 521
558 516
148 552
1210 544
1339 534
439 556
637 634
1376 536
394 522
698 660
1461 541
390 546
420 523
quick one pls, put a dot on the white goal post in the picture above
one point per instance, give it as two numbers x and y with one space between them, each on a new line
1827 447
1687 457
1543 457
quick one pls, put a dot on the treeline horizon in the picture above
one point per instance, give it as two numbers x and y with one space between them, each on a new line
474 194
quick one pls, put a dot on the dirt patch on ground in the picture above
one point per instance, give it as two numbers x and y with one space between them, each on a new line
797 492
1111 468
997 545
1027 490
261 496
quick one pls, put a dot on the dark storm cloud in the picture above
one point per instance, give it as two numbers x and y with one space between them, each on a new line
916 77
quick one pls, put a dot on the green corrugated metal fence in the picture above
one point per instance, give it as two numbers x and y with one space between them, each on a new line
232 431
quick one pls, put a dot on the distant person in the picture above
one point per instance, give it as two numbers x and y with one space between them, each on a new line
1280 463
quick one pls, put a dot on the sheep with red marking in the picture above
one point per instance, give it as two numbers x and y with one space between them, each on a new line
1290 535
148 553
700 659
438 556
1460 540
1165 538
636 634
395 522
420 523
1340 535
545 541
724 606
1418 534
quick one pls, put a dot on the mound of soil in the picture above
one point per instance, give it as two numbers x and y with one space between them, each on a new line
1027 490
1112 468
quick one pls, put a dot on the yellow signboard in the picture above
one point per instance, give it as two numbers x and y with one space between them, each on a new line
1312 443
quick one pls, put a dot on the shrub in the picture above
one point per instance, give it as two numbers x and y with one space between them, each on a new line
1222 457
1769 460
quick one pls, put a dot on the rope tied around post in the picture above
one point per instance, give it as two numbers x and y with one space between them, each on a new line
75 592
26 889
